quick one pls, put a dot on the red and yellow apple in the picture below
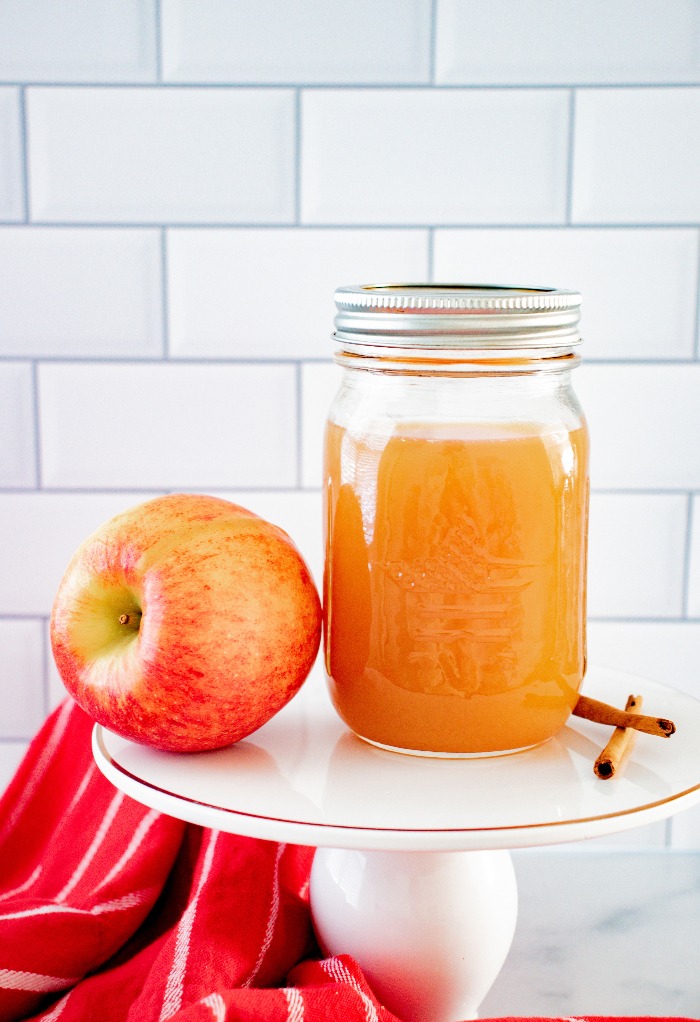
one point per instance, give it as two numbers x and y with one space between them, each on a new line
185 623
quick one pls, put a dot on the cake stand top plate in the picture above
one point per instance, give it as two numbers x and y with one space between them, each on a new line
304 778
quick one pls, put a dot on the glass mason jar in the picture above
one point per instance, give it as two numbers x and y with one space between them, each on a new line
456 514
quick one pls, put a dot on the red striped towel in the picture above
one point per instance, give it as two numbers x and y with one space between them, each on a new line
113 912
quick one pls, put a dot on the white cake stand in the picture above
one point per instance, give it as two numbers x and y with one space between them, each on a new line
412 875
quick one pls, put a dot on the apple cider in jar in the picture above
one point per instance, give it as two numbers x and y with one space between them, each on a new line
456 473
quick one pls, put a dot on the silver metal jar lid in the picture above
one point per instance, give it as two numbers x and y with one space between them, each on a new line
476 317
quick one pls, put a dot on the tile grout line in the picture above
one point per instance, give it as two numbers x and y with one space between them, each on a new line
299 426
36 415
297 157
24 152
164 296
345 86
570 158
96 491
158 43
132 360
432 53
43 618
364 225
46 664
668 832
687 550
697 307
105 491
632 619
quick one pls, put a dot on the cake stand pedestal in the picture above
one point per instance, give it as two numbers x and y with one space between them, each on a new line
412 874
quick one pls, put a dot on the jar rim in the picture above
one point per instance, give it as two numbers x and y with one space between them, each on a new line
464 315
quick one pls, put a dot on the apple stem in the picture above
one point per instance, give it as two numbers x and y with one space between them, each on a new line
133 619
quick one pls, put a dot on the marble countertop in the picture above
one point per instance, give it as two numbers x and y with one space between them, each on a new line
603 932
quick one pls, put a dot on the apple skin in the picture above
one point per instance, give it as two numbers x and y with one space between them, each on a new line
185 623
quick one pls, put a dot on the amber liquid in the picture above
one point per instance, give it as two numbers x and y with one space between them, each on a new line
454 589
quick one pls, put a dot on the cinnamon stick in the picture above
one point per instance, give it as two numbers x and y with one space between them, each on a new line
602 713
619 745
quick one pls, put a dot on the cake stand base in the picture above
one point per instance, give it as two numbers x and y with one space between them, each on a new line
430 930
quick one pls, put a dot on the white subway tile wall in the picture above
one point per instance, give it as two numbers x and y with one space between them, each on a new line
535 42
78 41
77 292
636 155
22 660
694 559
434 156
636 554
637 282
168 425
644 421
11 155
17 458
324 41
183 184
152 155
268 293
11 754
40 533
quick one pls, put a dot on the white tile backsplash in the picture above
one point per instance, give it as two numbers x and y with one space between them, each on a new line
80 292
567 42
22 702
56 689
252 293
644 421
161 155
40 534
166 426
607 266
685 829
315 41
319 383
636 553
665 651
636 156
17 452
78 40
425 156
184 183
694 560
11 755
11 156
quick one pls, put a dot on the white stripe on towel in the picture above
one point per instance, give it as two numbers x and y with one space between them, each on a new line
22 887
339 972
117 905
35 982
271 919
56 1010
138 836
52 742
101 834
295 1004
172 999
218 1008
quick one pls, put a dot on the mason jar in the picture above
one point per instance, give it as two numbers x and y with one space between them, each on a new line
456 514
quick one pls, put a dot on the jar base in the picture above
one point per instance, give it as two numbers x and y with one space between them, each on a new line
449 755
